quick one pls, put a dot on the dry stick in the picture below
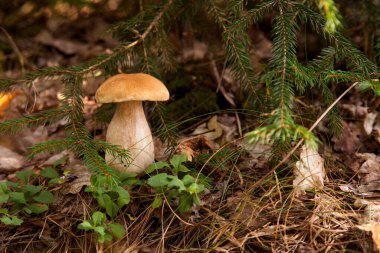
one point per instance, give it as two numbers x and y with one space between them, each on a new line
176 215
301 141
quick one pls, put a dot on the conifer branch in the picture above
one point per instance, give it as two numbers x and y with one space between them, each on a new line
45 117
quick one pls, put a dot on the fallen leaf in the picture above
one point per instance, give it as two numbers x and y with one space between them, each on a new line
374 228
197 51
350 139
369 122
9 160
211 130
369 173
371 209
194 146
309 171
79 176
65 46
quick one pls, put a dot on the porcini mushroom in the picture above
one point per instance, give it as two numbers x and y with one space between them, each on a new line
129 127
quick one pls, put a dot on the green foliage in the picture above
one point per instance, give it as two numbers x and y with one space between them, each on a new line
104 230
25 197
331 13
110 193
145 46
181 185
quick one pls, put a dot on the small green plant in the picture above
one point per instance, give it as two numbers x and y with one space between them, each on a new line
110 193
104 230
24 196
181 185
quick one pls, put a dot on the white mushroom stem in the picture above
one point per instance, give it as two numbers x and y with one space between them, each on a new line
129 129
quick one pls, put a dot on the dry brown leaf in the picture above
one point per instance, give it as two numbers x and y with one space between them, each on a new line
374 228
369 173
350 140
9 160
197 51
81 176
309 171
371 209
194 146
369 122
211 130
66 46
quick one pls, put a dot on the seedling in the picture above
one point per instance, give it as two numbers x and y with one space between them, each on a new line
185 188
105 231
23 196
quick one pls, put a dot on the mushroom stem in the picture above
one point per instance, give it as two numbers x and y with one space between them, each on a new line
129 129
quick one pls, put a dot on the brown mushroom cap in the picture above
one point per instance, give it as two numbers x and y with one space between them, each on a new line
131 87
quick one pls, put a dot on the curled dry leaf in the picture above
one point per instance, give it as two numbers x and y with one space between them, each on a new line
309 171
193 146
211 130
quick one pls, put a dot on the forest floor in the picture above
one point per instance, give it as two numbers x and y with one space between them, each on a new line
247 206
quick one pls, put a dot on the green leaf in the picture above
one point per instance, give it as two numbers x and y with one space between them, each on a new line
117 230
157 202
177 160
185 202
182 168
44 197
107 237
12 220
3 211
110 206
85 225
24 175
35 208
156 166
17 197
176 182
31 189
124 197
100 230
49 172
188 180
98 218
196 199
3 187
159 180
195 188
4 198
55 181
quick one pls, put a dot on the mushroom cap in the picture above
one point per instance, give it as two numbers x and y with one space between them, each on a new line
131 87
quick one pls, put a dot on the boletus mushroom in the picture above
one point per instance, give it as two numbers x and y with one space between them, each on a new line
129 127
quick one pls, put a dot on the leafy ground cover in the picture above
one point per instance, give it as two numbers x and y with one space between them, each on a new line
210 190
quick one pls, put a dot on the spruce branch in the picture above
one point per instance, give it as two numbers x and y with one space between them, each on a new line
237 46
90 66
44 117
51 146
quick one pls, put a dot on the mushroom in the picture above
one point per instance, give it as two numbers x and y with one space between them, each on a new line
129 127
